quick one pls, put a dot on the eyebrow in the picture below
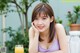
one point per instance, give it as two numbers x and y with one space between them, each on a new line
42 16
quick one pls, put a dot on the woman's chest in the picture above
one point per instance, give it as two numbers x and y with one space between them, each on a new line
45 44
53 46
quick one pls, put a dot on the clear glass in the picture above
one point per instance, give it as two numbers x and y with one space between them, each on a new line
19 49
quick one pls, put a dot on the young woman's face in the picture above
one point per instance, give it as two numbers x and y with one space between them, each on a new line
42 22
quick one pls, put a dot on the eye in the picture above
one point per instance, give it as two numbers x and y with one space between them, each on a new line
44 18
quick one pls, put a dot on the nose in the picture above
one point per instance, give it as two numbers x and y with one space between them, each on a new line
39 21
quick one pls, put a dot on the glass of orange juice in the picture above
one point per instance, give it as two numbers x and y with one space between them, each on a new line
19 49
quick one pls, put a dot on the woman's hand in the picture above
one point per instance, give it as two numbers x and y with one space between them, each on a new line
34 29
33 39
33 32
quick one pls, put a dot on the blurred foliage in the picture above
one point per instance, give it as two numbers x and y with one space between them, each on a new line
4 6
59 20
73 17
16 39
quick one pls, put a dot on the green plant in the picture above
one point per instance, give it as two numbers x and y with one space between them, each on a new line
16 38
73 17
58 20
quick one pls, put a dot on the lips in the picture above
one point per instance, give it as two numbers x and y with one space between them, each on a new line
40 27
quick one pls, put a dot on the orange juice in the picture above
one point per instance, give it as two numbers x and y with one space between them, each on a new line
19 49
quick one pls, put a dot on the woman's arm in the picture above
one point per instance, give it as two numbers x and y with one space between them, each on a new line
59 51
33 40
62 38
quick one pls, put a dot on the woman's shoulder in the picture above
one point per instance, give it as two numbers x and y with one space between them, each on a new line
58 25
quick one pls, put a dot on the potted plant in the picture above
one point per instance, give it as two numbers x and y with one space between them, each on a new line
73 19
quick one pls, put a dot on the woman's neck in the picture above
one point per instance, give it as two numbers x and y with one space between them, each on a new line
45 34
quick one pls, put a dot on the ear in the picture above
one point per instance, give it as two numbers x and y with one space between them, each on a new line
51 19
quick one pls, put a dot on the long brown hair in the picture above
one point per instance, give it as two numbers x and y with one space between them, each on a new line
44 7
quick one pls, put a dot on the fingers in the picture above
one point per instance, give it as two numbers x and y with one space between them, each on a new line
33 26
35 29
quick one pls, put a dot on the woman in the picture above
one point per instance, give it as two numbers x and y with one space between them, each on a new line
45 35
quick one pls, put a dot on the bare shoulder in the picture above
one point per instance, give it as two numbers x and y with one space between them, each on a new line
61 35
59 26
60 30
